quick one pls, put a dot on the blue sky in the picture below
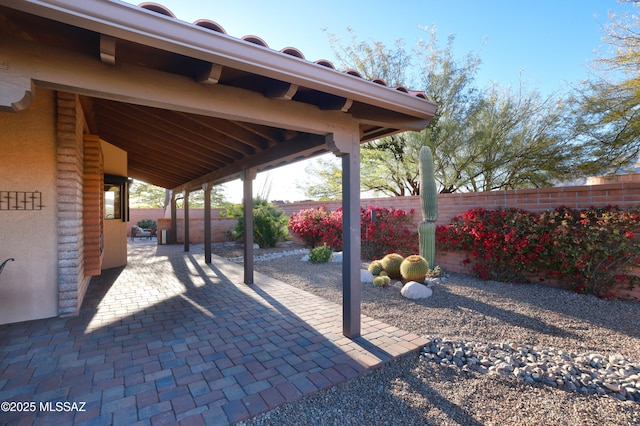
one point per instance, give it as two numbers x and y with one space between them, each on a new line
550 43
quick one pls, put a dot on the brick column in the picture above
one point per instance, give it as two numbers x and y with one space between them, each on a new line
71 280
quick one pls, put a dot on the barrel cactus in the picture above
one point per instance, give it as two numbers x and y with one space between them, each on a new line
429 198
381 281
375 267
414 268
391 264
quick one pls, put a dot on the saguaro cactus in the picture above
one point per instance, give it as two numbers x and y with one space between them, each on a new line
429 198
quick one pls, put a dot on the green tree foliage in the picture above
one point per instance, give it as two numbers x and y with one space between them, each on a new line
269 224
605 115
494 138
145 195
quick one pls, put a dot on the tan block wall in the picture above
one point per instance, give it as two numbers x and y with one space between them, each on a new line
29 286
624 193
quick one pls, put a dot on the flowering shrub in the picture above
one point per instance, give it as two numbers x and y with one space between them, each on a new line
392 230
309 225
588 251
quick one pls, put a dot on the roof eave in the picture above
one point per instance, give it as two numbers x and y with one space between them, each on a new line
139 25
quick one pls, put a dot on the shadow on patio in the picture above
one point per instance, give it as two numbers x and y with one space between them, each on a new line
170 339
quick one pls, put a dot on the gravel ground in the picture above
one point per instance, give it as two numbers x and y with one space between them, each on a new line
415 390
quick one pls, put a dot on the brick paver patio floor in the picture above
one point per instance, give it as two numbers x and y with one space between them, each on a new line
170 339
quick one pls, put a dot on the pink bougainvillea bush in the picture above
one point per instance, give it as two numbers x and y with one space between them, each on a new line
383 230
588 251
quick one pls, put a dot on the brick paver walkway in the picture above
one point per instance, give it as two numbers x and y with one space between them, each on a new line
170 339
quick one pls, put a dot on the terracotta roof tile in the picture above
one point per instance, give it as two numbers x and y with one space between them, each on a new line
292 51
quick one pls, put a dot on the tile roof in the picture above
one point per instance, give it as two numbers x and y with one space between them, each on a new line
292 51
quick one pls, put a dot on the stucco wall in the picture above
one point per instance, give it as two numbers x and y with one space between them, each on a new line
29 286
115 230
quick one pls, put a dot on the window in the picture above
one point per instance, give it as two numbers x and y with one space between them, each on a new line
112 202
116 197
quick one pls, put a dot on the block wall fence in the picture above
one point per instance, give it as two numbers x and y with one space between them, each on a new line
622 191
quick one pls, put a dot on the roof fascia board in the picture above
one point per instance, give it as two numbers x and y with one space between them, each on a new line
74 73
135 24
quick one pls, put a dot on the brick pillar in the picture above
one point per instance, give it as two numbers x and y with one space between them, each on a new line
71 279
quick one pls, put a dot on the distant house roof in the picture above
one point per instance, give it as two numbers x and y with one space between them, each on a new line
189 102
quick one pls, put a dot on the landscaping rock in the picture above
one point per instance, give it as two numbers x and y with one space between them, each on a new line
337 257
366 276
413 290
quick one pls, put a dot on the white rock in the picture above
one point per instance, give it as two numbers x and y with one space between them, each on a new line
430 282
413 290
366 276
337 257
305 258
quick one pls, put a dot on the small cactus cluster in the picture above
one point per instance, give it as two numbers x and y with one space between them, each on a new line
414 268
391 264
394 266
375 268
381 281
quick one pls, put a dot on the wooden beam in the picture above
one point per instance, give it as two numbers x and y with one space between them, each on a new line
107 49
302 146
73 72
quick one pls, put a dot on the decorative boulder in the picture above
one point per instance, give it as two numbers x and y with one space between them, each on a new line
413 290
337 257
366 276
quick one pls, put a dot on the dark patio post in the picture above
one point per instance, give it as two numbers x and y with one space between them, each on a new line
351 290
185 201
247 181
207 222
174 220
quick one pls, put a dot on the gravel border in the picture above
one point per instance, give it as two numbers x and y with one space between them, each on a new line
466 311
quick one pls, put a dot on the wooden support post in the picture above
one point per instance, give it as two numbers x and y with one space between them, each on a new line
248 177
347 146
207 222
351 261
185 201
173 233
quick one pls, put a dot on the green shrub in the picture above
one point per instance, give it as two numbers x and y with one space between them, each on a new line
269 224
320 254
147 224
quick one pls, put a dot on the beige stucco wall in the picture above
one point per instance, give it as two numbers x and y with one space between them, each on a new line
29 286
115 230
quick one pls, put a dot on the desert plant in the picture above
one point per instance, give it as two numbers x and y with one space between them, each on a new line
269 224
310 225
429 198
320 254
147 224
375 267
391 264
414 268
588 251
381 281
